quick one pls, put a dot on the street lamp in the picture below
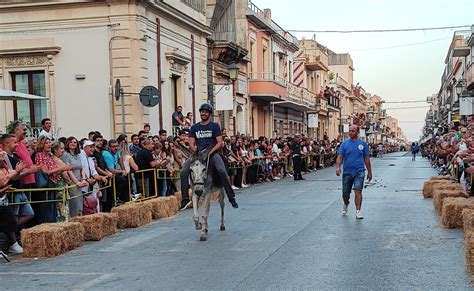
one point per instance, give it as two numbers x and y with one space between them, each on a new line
233 71
459 87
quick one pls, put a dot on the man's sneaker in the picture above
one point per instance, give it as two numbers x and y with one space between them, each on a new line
276 178
136 196
244 185
345 208
235 188
233 203
359 215
185 203
15 249
289 174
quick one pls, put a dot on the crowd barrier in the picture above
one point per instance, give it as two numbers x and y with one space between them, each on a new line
139 180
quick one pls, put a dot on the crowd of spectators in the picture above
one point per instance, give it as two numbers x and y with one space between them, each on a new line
65 177
451 151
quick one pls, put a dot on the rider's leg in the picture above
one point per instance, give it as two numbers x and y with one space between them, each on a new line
184 177
216 164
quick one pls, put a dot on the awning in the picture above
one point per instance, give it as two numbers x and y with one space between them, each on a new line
14 95
292 105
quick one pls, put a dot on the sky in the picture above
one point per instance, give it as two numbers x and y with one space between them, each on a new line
398 66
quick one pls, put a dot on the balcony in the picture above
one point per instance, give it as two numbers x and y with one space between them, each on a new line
267 87
322 106
334 104
318 61
470 76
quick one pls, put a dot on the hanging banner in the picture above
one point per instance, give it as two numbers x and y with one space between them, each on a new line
224 98
313 120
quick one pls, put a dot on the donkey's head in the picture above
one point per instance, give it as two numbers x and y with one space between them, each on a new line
198 171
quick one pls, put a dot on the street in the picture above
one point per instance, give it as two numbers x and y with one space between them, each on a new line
285 235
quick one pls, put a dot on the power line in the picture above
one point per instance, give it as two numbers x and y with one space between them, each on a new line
401 45
380 30
411 101
412 107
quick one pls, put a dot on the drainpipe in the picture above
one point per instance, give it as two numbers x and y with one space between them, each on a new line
158 65
193 91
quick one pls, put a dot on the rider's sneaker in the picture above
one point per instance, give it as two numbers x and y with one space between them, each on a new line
185 203
15 249
233 203
345 208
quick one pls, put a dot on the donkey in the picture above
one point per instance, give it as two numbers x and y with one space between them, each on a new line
203 183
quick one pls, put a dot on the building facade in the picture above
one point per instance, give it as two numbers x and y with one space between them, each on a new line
74 52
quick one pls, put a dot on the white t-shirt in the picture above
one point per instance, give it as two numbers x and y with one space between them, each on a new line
45 133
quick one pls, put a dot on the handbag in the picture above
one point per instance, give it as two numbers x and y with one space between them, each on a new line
89 205
42 180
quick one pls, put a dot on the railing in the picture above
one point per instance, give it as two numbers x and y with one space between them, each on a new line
285 34
268 76
322 104
334 101
254 8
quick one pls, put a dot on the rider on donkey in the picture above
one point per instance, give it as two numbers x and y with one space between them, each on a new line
206 134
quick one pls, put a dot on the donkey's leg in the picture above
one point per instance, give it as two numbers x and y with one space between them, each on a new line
196 211
221 202
205 215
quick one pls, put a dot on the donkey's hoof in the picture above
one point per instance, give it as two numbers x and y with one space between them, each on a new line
205 230
203 238
222 227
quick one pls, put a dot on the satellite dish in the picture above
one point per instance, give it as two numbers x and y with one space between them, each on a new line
149 96
118 90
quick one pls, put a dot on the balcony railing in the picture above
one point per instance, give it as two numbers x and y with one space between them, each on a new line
334 101
322 104
268 77
469 74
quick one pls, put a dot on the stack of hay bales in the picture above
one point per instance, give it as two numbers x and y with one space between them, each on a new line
52 239
433 184
451 215
441 193
163 207
133 215
468 225
98 225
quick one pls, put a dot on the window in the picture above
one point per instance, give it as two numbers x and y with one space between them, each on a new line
31 111
174 92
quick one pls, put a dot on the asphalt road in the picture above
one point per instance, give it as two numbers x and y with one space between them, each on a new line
285 235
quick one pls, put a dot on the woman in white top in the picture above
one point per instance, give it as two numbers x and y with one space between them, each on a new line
128 164
188 120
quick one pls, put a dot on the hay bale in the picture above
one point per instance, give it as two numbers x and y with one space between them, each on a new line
440 178
133 215
451 215
468 221
469 251
52 239
429 186
440 194
163 207
98 225
179 196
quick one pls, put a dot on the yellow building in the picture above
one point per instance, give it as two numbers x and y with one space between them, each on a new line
73 52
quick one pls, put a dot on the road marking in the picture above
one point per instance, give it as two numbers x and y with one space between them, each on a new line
97 280
135 240
50 273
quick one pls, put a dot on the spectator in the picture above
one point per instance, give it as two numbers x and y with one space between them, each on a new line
163 135
135 146
12 163
142 134
91 174
47 178
111 158
46 128
19 130
129 166
177 119
188 121
7 219
147 129
145 161
76 176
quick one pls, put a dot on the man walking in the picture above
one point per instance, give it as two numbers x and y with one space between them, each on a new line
354 153
203 135
296 155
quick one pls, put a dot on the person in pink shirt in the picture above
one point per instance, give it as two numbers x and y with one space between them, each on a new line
19 130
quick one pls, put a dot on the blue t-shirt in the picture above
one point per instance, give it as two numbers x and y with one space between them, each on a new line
353 153
205 135
111 161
